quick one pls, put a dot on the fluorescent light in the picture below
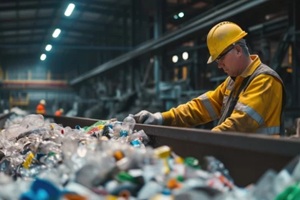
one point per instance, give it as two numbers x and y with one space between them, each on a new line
181 14
69 9
56 33
185 55
48 47
175 59
43 57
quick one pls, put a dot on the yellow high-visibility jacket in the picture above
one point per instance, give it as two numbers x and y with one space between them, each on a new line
258 108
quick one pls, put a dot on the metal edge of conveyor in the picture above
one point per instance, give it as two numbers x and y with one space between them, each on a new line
3 118
72 121
253 142
256 143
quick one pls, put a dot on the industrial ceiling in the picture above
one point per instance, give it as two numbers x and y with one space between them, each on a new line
100 30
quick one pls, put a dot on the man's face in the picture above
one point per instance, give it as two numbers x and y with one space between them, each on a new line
229 61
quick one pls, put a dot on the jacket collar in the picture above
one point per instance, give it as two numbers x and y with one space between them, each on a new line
252 67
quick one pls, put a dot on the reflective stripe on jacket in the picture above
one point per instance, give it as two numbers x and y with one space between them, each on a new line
258 109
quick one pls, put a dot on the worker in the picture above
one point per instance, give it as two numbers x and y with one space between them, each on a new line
59 112
41 107
250 100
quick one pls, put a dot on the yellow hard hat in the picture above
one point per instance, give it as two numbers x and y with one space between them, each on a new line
222 36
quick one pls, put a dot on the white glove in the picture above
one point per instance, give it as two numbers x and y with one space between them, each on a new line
146 117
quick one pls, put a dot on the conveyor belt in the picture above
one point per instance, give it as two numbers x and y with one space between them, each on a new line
247 157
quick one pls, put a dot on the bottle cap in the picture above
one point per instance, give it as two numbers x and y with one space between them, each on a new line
118 155
192 162
136 143
123 133
162 152
28 160
124 176
166 191
42 189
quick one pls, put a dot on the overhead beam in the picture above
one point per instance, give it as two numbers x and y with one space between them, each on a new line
45 5
64 46
189 29
269 26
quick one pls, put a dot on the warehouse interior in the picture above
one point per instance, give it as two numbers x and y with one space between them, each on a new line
113 58
101 60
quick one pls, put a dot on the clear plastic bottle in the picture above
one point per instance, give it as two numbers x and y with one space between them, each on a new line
129 123
139 135
33 121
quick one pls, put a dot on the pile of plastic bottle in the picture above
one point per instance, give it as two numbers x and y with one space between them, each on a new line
40 159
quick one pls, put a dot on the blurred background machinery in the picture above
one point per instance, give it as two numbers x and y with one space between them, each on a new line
108 58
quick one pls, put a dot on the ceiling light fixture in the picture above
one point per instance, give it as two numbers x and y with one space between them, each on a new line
175 59
185 55
56 33
48 47
43 57
69 9
181 14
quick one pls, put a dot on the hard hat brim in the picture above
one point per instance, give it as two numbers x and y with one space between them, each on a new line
210 60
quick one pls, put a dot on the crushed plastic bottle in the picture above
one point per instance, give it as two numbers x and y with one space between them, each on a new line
33 121
214 165
129 122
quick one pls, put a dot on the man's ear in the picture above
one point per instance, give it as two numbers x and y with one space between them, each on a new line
238 48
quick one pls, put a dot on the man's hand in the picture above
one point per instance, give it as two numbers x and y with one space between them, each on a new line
146 117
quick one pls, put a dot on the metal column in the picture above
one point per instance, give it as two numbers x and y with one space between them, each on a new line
158 31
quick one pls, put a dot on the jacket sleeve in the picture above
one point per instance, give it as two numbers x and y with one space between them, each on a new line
258 107
199 110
